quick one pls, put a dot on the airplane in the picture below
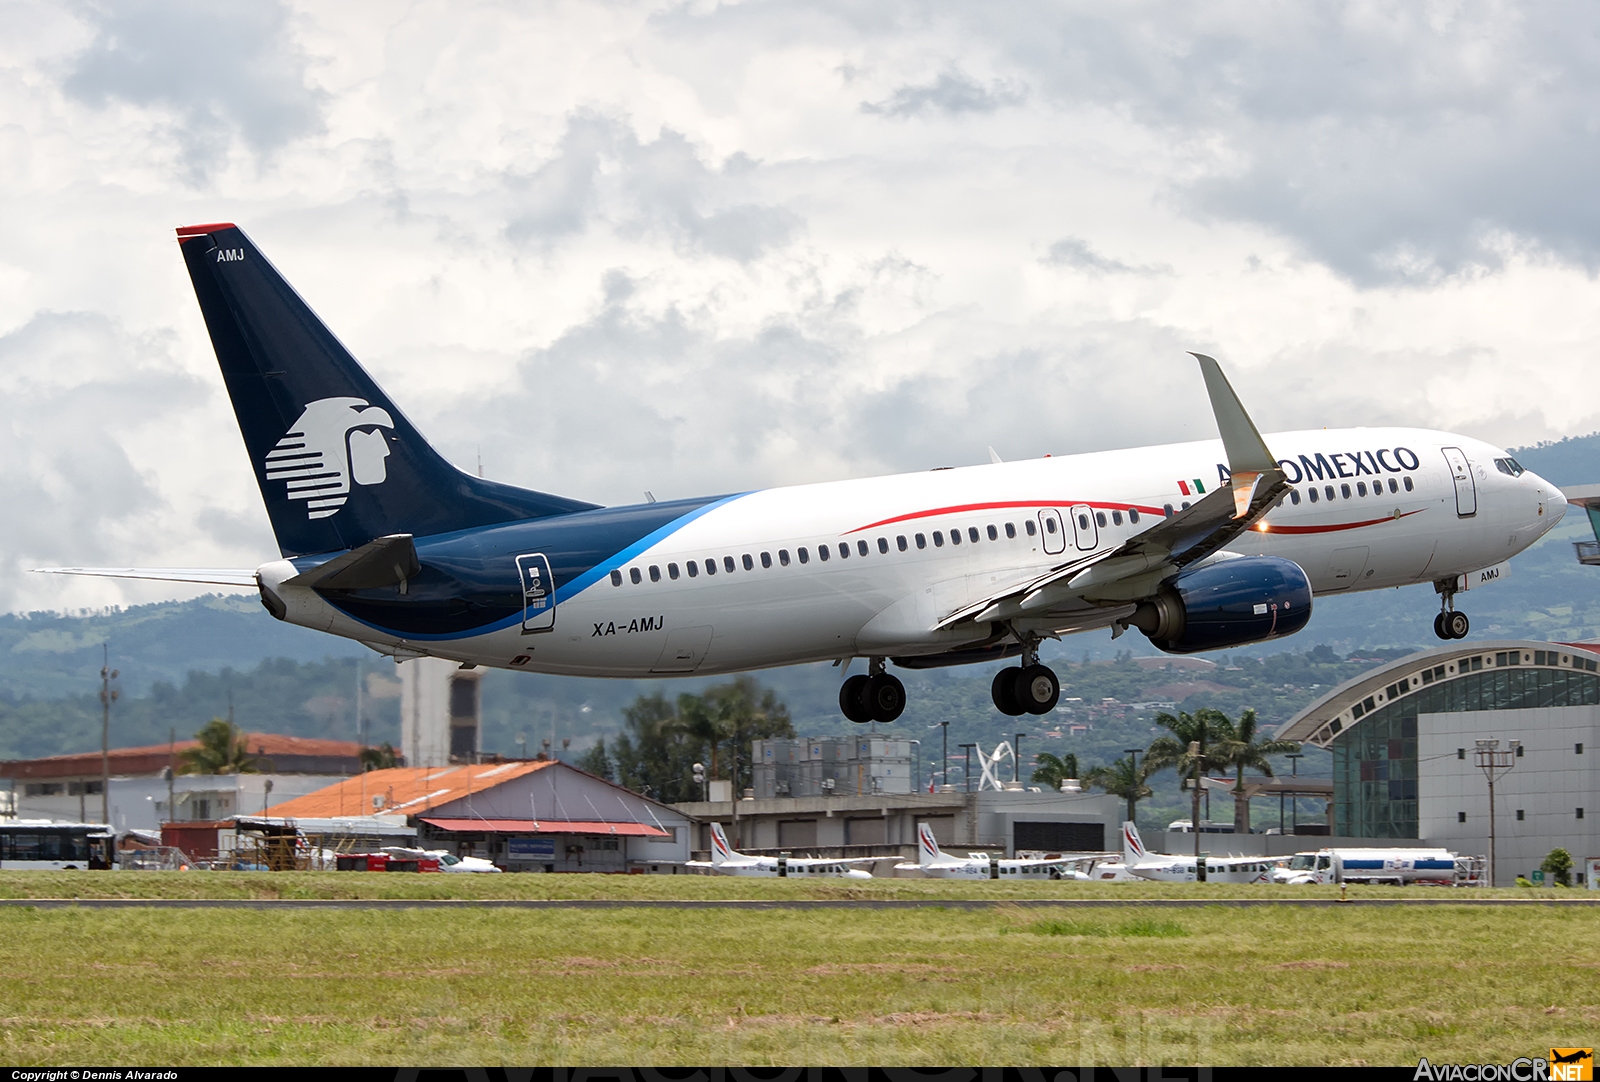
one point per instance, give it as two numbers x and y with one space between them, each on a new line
726 861
1167 868
937 865
1200 546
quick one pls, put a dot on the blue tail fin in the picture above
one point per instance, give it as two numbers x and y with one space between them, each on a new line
337 462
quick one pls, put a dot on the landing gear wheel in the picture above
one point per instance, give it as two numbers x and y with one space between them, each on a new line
1457 624
1004 693
884 697
1438 626
1037 689
853 699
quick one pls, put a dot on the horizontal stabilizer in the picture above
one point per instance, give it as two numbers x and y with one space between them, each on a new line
206 576
387 561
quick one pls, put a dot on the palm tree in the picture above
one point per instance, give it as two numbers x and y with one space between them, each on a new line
1240 748
1122 778
382 757
223 750
1190 749
1052 771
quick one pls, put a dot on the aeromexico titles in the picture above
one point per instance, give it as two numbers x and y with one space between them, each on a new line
1200 546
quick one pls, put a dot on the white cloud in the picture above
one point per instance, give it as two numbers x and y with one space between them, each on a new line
702 248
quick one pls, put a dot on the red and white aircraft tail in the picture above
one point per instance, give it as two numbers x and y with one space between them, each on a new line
1133 850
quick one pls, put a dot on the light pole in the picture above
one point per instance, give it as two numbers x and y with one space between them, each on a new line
1495 764
108 695
1133 774
700 779
1194 815
1294 815
944 761
1016 758
966 771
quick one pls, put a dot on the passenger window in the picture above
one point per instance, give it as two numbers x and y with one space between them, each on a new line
883 544
844 550
1116 518
922 542
672 571
633 575
861 547
728 565
693 568
1133 515
749 564
805 557
1312 493
1185 505
783 557
766 559
711 567
616 578
823 553
1294 496
994 534
655 573
1083 522
1407 483
972 534
955 537
1011 529
1167 510
900 542
1392 486
1361 488
1327 490
938 539
1344 490
1050 525
1028 525
1100 518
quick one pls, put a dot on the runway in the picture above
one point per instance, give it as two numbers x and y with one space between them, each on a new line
780 904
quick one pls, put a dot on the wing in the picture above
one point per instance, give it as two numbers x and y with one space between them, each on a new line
209 576
1136 568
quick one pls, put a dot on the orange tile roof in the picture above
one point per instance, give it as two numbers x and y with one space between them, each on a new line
406 790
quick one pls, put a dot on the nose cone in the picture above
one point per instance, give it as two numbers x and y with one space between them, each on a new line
1552 504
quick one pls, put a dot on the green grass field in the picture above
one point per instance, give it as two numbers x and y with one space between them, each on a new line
1009 984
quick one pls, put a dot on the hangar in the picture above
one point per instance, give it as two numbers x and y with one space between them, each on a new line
1405 740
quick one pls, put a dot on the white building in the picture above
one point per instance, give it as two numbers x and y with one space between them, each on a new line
440 712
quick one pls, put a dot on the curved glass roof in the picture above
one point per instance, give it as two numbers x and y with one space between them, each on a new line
1344 706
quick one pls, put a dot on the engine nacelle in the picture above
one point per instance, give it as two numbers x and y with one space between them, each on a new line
1230 603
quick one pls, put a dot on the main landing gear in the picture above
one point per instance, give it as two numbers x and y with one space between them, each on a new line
1449 624
875 696
1031 688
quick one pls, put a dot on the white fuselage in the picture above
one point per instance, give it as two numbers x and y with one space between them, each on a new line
902 555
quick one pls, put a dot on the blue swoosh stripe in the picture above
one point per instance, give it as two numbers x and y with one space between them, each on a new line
572 588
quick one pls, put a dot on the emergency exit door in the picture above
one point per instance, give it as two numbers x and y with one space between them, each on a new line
1466 487
538 593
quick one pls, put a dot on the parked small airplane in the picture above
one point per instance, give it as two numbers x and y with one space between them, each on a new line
1168 868
725 860
983 866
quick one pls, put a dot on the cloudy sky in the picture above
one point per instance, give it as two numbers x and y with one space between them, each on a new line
700 248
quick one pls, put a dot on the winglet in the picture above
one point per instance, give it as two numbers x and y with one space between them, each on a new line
1248 456
1247 451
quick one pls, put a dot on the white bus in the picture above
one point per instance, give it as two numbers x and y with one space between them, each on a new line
41 845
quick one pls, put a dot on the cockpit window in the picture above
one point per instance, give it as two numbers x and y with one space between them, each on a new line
1509 466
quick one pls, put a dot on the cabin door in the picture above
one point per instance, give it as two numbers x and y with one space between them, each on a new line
538 593
1466 487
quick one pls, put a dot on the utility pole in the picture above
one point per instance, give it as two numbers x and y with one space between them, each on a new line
108 695
1194 815
944 761
1495 764
1016 757
1294 812
172 768
966 771
1133 759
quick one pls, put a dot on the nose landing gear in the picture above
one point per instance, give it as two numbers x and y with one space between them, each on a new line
873 696
1449 624
1031 688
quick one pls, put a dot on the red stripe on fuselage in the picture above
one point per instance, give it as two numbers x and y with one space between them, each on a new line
1267 527
961 509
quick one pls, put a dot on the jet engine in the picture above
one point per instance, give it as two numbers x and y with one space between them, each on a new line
1228 603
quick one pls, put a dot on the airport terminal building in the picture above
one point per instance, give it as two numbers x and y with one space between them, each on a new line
1406 748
